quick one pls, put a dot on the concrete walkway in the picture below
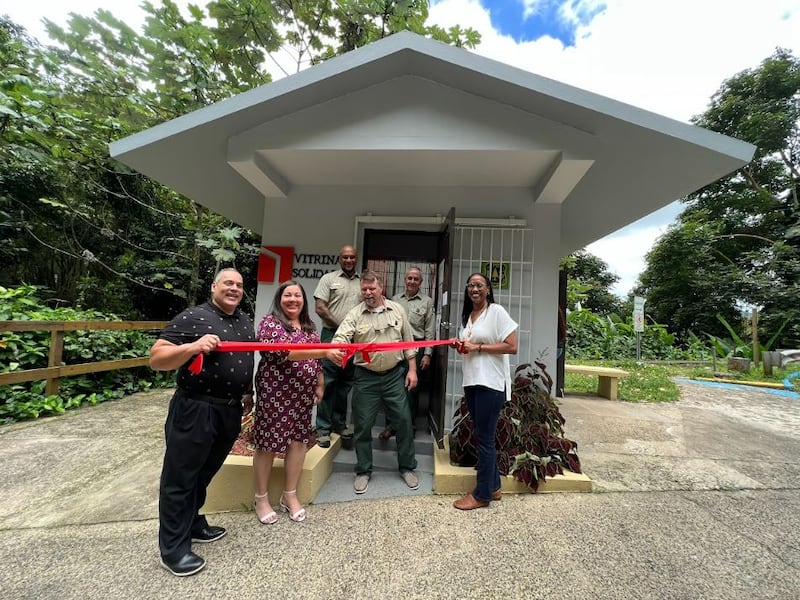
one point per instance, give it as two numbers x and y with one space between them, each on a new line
697 499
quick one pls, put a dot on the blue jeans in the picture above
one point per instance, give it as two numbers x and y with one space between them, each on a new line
484 405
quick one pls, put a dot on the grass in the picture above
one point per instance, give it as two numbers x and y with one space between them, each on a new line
648 382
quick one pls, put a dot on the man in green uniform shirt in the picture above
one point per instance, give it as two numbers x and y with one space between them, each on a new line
383 381
337 292
419 308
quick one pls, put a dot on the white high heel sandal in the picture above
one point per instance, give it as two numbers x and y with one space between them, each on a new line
298 516
268 518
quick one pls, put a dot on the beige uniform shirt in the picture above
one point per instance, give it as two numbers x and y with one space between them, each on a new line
419 309
341 293
361 325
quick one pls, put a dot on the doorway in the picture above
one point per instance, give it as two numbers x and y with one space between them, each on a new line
390 253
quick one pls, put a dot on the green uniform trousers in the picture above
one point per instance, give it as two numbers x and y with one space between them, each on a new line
370 390
412 396
332 411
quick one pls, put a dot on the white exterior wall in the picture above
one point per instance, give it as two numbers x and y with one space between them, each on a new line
321 220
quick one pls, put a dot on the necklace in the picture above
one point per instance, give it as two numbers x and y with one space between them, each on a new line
472 322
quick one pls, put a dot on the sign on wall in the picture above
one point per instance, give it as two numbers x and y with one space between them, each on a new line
277 264
498 273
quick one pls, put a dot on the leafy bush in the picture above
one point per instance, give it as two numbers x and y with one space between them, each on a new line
594 337
530 438
30 349
736 346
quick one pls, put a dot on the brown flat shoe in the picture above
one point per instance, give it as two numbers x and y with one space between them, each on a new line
469 502
497 494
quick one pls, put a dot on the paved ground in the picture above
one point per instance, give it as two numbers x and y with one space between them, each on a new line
697 499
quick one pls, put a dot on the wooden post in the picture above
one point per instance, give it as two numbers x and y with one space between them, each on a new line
54 360
756 349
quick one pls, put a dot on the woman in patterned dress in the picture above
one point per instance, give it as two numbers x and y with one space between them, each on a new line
288 386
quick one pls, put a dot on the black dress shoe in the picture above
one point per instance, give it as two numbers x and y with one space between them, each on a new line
188 564
208 534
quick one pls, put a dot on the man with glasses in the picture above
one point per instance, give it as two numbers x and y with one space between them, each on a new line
337 292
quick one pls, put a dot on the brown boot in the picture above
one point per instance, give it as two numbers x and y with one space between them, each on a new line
469 502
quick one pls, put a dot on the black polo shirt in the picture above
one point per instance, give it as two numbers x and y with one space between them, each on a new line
225 374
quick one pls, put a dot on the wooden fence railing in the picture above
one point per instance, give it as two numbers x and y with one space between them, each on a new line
55 370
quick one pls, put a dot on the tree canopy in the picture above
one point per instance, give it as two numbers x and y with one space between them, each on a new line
737 242
588 276
89 229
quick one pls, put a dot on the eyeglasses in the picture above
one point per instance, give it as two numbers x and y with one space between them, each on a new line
477 286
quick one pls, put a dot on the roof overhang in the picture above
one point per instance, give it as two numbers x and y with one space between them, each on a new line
409 111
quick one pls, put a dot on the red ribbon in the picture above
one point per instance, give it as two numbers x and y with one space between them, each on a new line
350 349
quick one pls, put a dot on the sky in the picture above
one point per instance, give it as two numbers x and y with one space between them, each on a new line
667 57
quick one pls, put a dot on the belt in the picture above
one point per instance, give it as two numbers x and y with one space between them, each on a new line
210 399
416 339
381 373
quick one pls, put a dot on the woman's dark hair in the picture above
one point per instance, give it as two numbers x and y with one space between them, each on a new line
467 310
306 324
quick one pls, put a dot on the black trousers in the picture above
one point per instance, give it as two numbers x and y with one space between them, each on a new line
199 436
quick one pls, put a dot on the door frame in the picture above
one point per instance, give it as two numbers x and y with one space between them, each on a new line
403 245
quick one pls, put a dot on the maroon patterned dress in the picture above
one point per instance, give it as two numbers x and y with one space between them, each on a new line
284 389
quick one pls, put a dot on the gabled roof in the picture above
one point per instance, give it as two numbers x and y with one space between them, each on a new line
440 116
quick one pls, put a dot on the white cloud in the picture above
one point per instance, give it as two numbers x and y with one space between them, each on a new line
624 250
665 57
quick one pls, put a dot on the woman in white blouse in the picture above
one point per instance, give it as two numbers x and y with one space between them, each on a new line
487 336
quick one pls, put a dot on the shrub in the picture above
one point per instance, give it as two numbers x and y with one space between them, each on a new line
30 349
530 438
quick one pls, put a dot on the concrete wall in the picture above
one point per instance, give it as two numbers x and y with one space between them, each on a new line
319 220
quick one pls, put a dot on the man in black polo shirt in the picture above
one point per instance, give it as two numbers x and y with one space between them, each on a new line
205 415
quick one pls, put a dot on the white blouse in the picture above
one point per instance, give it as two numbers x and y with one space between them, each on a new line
492 326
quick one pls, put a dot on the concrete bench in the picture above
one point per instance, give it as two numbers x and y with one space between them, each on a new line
609 378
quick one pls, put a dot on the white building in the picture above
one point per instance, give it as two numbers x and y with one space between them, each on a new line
422 153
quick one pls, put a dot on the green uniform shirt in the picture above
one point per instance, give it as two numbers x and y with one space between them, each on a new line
419 309
340 292
361 325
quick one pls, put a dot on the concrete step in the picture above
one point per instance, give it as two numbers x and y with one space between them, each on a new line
382 460
385 481
382 484
423 442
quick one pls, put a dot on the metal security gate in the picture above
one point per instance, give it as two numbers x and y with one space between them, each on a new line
505 255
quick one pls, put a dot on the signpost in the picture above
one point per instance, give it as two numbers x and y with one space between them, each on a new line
638 323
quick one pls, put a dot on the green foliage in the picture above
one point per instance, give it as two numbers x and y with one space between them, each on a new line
530 438
26 350
736 346
594 337
738 240
589 283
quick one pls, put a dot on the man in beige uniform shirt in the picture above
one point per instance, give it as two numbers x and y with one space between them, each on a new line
337 292
419 308
383 381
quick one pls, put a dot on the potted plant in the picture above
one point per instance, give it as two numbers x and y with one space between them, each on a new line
530 437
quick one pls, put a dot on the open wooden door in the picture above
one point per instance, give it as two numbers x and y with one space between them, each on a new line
446 329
